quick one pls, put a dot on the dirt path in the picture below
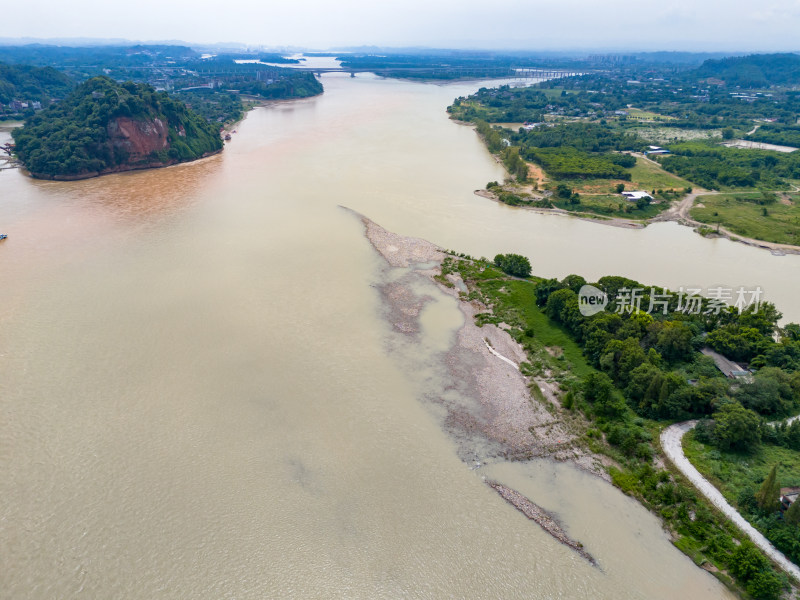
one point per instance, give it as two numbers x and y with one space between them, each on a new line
671 443
536 173
681 212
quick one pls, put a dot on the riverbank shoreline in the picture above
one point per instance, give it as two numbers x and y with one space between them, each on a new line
482 362
612 221
677 212
118 169
489 409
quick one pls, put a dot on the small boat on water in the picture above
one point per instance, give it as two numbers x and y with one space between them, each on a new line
3 236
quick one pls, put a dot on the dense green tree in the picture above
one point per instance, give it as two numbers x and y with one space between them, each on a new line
546 287
513 264
562 306
573 282
620 358
738 343
768 494
737 428
765 585
747 561
770 393
599 390
673 341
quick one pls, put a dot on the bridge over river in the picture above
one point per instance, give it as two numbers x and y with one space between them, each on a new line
446 72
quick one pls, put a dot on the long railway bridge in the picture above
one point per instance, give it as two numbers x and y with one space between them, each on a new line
450 72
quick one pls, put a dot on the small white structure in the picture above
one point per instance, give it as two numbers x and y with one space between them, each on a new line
634 196
656 150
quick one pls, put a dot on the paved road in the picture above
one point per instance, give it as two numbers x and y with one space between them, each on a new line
671 443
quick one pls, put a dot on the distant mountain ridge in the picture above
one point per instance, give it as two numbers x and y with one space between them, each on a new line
756 70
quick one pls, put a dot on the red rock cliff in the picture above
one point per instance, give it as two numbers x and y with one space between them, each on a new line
138 138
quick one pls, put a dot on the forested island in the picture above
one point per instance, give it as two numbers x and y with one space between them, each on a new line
105 127
652 357
139 106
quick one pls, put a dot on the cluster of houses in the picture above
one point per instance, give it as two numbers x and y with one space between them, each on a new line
750 97
17 106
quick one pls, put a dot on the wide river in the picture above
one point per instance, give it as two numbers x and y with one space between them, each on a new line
200 396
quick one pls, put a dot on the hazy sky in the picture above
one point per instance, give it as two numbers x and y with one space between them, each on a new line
528 24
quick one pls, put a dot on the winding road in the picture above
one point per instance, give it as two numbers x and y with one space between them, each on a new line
671 443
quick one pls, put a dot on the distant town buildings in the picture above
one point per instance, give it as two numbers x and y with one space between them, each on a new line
17 107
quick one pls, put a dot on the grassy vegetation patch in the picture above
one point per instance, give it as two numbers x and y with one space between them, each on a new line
646 115
777 222
611 205
650 176
733 472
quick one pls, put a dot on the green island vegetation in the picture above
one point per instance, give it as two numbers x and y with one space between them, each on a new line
581 133
255 79
292 85
627 374
769 216
76 138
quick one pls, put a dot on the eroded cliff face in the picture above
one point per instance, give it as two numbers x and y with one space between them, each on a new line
137 139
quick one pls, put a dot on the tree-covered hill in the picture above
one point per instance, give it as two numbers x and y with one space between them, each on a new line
104 126
758 70
26 83
289 85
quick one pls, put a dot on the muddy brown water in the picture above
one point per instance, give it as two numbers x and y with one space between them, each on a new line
200 397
